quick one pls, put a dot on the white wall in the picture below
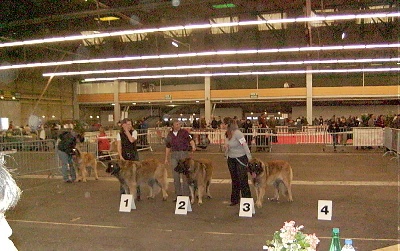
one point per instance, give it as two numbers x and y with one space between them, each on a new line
328 111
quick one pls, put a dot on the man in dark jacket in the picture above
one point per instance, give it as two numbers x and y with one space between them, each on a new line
66 145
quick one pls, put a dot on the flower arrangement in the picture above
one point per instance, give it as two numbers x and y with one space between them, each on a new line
290 238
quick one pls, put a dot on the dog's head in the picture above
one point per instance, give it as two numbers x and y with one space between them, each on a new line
76 154
255 167
183 166
113 168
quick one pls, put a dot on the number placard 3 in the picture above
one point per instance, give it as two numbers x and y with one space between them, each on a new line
247 208
324 210
183 205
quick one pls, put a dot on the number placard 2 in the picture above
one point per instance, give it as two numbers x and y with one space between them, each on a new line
247 208
127 203
183 205
324 210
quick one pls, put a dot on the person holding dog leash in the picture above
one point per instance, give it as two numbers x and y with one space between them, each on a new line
178 142
65 147
126 141
238 155
126 146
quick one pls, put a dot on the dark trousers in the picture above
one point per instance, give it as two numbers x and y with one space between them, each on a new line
240 183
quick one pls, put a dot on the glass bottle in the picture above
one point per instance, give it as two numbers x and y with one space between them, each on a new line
335 242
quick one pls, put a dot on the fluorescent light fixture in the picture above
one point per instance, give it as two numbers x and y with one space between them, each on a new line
175 44
201 54
227 65
223 6
107 19
200 26
253 73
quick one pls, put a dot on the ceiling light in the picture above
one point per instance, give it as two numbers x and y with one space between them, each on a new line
223 6
107 19
201 54
227 65
227 74
175 44
199 26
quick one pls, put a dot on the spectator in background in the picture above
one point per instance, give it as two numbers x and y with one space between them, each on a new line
248 132
380 121
214 123
9 196
371 120
103 143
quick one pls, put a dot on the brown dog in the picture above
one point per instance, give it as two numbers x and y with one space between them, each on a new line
83 161
132 174
199 174
278 173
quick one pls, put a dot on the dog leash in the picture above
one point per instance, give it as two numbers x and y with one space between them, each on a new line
240 162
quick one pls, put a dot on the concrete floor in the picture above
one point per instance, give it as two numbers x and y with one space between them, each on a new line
362 184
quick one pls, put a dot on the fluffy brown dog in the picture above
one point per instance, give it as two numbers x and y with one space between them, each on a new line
278 173
132 174
199 174
83 161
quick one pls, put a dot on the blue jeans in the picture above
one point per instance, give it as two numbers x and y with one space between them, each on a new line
180 189
67 166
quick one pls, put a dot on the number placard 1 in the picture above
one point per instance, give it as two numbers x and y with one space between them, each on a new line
247 208
324 210
183 205
127 203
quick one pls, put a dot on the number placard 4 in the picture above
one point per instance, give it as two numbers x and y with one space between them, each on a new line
183 205
324 210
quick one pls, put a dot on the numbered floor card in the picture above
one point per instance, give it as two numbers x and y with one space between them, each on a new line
324 210
127 203
247 208
183 205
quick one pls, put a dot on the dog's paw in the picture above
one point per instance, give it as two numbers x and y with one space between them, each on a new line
150 197
209 196
200 203
164 198
259 205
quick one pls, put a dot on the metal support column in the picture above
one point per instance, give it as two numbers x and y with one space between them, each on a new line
207 99
117 107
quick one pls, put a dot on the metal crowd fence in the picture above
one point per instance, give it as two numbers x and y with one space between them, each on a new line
392 141
262 139
31 157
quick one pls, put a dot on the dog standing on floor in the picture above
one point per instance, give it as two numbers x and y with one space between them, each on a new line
278 173
198 173
83 161
132 174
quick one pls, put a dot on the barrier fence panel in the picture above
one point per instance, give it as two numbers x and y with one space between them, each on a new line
32 157
368 136
392 141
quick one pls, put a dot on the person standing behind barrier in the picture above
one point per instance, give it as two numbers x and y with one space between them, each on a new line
9 196
126 141
66 145
177 145
238 155
262 140
248 130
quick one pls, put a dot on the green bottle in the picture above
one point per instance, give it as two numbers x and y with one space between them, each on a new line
335 242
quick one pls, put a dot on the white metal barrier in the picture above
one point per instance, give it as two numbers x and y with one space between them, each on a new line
392 141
